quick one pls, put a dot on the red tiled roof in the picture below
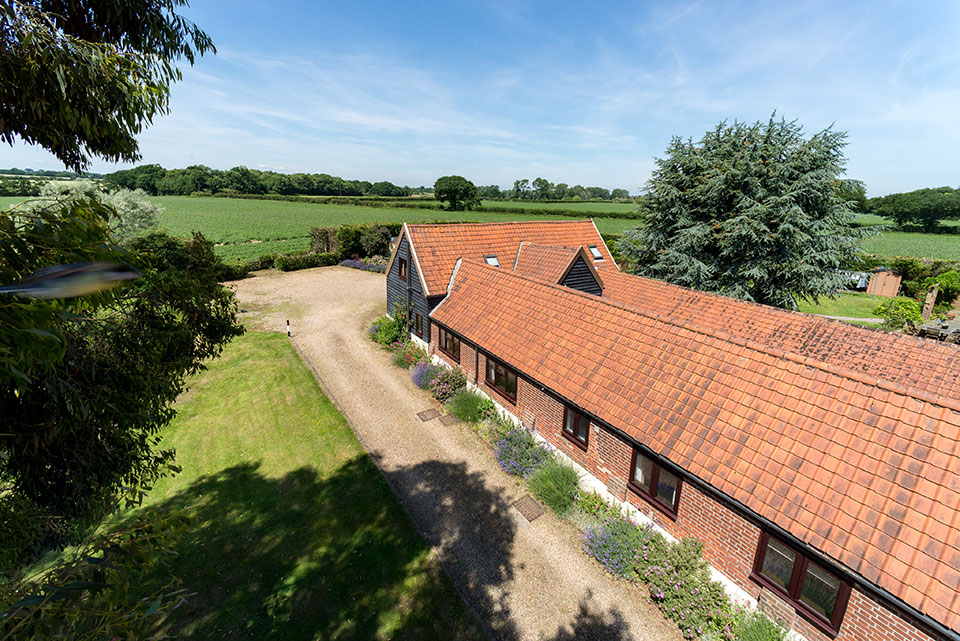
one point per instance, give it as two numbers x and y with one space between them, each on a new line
437 247
914 362
865 470
544 262
552 264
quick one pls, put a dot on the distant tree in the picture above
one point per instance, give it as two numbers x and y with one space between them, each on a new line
598 193
490 191
923 207
521 188
133 213
578 192
854 192
620 193
542 188
560 191
750 211
458 192
82 78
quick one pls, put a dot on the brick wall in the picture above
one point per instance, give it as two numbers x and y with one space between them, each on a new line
729 541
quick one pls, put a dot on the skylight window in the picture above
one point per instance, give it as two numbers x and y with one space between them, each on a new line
492 260
595 252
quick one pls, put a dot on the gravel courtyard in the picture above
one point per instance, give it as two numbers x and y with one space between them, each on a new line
525 581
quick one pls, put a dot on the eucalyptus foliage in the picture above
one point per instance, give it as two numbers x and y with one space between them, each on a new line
83 78
753 211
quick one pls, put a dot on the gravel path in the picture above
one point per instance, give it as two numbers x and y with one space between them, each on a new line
525 581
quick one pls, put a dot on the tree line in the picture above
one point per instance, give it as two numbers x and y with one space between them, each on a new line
923 208
543 189
157 181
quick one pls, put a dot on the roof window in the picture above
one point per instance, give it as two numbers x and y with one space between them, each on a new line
492 260
595 252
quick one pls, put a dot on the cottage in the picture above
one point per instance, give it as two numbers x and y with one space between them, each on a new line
816 461
422 263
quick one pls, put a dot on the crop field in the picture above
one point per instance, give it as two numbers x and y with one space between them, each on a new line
895 243
285 226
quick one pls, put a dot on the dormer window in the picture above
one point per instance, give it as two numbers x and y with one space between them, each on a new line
595 252
492 260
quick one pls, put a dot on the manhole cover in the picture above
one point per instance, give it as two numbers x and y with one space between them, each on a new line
449 419
528 507
428 415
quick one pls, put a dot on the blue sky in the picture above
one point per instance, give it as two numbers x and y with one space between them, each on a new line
576 92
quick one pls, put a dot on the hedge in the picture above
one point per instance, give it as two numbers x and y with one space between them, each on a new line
304 261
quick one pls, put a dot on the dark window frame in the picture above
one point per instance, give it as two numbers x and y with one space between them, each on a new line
650 494
830 627
418 326
442 335
507 372
573 438
403 269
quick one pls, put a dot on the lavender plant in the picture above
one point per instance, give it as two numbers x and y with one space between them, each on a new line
518 453
423 373
447 383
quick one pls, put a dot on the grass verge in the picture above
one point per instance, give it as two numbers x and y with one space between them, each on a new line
849 304
298 535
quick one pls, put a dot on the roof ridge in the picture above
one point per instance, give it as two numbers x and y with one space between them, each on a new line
838 370
500 222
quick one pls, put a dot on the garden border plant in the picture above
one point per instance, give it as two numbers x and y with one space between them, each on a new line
676 574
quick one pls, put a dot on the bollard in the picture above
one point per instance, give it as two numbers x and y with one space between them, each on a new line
288 329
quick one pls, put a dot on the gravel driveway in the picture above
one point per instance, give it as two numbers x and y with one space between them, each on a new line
523 580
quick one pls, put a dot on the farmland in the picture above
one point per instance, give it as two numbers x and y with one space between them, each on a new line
590 208
282 226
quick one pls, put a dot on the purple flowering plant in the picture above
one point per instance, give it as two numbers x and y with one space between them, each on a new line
423 373
518 453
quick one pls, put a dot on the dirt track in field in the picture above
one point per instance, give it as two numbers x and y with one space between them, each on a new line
525 581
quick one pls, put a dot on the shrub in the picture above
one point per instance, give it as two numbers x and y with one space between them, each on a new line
447 383
949 283
375 240
232 271
364 264
493 427
897 311
618 544
595 507
292 262
407 354
557 484
266 261
518 453
752 625
387 331
680 585
469 405
423 373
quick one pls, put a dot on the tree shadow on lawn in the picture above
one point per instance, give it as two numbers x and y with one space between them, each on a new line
312 557
307 557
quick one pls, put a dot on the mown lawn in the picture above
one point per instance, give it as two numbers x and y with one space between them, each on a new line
850 304
298 536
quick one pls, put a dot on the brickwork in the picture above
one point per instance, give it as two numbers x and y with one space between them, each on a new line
729 541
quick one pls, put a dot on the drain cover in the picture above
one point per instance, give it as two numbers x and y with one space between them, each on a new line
528 507
428 415
449 419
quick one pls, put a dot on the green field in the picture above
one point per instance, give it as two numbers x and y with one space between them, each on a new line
849 304
235 222
896 243
590 208
297 535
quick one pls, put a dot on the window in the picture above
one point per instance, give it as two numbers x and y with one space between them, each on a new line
492 260
502 378
403 269
576 427
449 344
817 594
418 326
595 252
656 484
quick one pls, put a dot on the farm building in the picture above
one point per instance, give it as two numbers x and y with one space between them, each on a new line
816 461
423 260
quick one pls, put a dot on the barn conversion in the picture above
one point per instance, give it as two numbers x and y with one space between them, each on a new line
816 461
